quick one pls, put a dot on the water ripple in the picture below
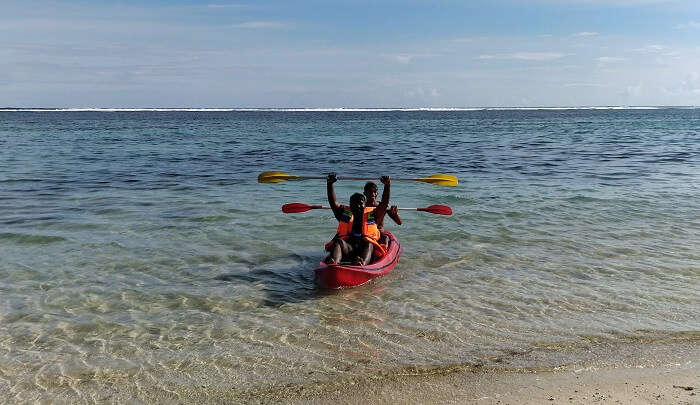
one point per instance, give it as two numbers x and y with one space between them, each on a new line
140 255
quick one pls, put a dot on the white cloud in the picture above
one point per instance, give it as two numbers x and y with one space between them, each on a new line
586 34
632 90
691 82
604 61
689 85
405 58
596 85
402 58
617 3
653 48
689 25
609 59
525 56
260 25
422 92
464 40
214 5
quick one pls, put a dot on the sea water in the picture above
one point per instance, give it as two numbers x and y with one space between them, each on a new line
138 253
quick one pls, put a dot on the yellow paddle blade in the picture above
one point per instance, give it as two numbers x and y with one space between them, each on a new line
440 180
275 177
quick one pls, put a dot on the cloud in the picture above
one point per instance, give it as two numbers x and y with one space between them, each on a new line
609 59
694 25
464 40
689 85
525 56
586 34
214 5
596 85
63 27
422 92
405 58
631 90
653 48
691 82
614 3
604 61
261 25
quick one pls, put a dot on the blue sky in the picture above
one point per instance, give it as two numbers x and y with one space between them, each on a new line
408 53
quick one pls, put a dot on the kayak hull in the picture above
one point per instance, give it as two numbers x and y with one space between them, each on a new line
336 276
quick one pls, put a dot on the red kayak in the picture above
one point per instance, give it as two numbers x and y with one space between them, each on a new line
344 275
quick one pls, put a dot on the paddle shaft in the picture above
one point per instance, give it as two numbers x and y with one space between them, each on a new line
435 179
313 207
292 208
349 178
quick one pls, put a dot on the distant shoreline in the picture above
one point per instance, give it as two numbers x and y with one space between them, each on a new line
339 109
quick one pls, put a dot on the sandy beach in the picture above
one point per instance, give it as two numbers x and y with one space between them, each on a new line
657 385
622 374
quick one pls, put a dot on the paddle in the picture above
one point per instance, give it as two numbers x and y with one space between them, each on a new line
293 208
436 179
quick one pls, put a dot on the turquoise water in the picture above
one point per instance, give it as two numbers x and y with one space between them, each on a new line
139 253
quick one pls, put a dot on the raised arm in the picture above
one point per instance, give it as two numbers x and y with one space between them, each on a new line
393 213
384 203
386 193
332 200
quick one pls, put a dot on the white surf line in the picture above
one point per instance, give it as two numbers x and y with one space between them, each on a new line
342 109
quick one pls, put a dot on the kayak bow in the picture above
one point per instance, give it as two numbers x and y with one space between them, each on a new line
337 276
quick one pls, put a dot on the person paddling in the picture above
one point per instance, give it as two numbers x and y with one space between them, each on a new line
371 191
356 241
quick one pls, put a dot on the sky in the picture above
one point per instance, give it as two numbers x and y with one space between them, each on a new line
352 54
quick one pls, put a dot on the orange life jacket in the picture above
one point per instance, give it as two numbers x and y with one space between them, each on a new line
369 224
370 232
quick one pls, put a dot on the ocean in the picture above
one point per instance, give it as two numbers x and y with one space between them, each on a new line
139 254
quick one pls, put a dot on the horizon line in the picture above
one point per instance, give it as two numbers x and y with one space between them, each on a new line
334 109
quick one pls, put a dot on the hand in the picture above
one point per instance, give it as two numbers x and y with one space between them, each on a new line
393 210
332 178
385 180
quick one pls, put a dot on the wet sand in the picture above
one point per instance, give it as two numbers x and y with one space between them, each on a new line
655 373
658 385
630 373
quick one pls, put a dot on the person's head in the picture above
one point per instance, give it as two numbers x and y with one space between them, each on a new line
371 192
357 202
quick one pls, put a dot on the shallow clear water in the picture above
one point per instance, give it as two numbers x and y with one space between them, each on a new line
139 251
